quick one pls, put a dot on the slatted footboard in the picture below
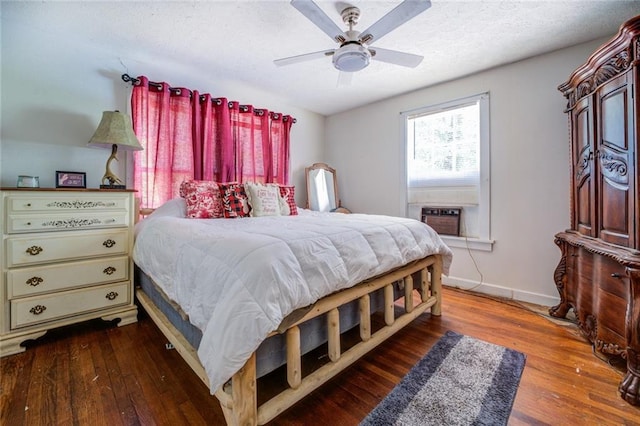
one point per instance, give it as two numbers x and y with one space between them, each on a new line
239 398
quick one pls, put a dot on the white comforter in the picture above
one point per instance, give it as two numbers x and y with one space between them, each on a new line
238 278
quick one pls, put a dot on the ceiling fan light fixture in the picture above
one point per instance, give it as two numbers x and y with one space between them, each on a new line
351 58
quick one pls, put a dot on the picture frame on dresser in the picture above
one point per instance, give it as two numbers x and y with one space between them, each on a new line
71 179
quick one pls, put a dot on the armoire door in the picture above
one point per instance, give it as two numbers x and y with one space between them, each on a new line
614 162
584 205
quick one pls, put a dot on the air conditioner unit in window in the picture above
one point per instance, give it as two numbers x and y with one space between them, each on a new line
444 220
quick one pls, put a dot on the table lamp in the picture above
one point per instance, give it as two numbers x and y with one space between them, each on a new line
115 130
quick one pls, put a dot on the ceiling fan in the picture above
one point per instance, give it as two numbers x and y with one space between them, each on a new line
354 52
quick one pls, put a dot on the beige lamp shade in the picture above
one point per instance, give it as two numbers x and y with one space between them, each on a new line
115 130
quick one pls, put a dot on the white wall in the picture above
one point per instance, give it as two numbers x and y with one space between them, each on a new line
51 104
529 169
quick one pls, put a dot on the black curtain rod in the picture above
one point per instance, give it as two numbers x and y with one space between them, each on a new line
127 78
244 108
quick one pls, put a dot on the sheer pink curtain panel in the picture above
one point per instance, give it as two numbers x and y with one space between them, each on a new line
213 142
162 120
280 129
251 141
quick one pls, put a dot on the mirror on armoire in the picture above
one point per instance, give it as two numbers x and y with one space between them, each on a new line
322 189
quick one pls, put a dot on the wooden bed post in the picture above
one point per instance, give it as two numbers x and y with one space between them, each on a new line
365 317
436 286
244 411
333 334
389 314
408 293
294 360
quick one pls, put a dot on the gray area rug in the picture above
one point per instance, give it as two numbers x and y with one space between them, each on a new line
461 381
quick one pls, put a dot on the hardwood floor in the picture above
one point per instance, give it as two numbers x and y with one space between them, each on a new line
96 374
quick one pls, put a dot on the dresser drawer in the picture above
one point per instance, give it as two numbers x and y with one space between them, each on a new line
43 248
45 279
38 309
38 222
65 202
612 278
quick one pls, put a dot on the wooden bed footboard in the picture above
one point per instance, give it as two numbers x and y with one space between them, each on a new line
238 398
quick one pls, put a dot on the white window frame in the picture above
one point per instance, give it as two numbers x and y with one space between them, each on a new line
483 241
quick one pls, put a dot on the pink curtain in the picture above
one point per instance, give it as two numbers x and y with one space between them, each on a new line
280 128
162 121
186 135
212 142
252 144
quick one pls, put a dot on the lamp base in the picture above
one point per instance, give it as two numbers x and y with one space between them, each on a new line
113 187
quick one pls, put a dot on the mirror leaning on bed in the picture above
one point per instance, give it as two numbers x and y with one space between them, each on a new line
322 189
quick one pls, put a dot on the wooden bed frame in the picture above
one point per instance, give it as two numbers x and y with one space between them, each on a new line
238 398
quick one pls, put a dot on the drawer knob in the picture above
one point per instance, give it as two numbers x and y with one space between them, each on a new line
109 270
34 281
34 250
111 295
28 204
109 243
38 309
616 275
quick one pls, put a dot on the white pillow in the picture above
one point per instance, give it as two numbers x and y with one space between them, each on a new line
176 207
264 199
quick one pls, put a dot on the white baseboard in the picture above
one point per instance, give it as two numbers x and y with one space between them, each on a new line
499 291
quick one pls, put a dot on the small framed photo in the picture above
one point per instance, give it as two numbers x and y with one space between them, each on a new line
71 179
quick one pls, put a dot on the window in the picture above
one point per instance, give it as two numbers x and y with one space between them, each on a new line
447 163
444 147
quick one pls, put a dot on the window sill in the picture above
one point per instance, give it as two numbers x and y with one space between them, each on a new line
468 243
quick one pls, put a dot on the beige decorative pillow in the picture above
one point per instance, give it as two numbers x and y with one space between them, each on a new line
264 199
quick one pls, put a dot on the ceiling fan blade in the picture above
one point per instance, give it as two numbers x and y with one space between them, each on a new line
399 15
394 57
311 10
302 58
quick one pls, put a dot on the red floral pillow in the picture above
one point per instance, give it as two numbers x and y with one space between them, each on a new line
234 200
203 199
288 192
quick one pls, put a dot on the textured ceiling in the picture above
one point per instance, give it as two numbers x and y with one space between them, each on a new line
237 41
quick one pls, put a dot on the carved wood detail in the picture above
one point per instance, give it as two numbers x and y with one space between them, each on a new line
611 60
610 348
614 66
560 278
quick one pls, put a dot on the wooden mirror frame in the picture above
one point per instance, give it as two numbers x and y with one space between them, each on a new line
328 169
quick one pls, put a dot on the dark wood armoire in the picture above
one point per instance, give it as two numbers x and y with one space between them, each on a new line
599 271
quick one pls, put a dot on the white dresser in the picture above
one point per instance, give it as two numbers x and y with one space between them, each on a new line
66 258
